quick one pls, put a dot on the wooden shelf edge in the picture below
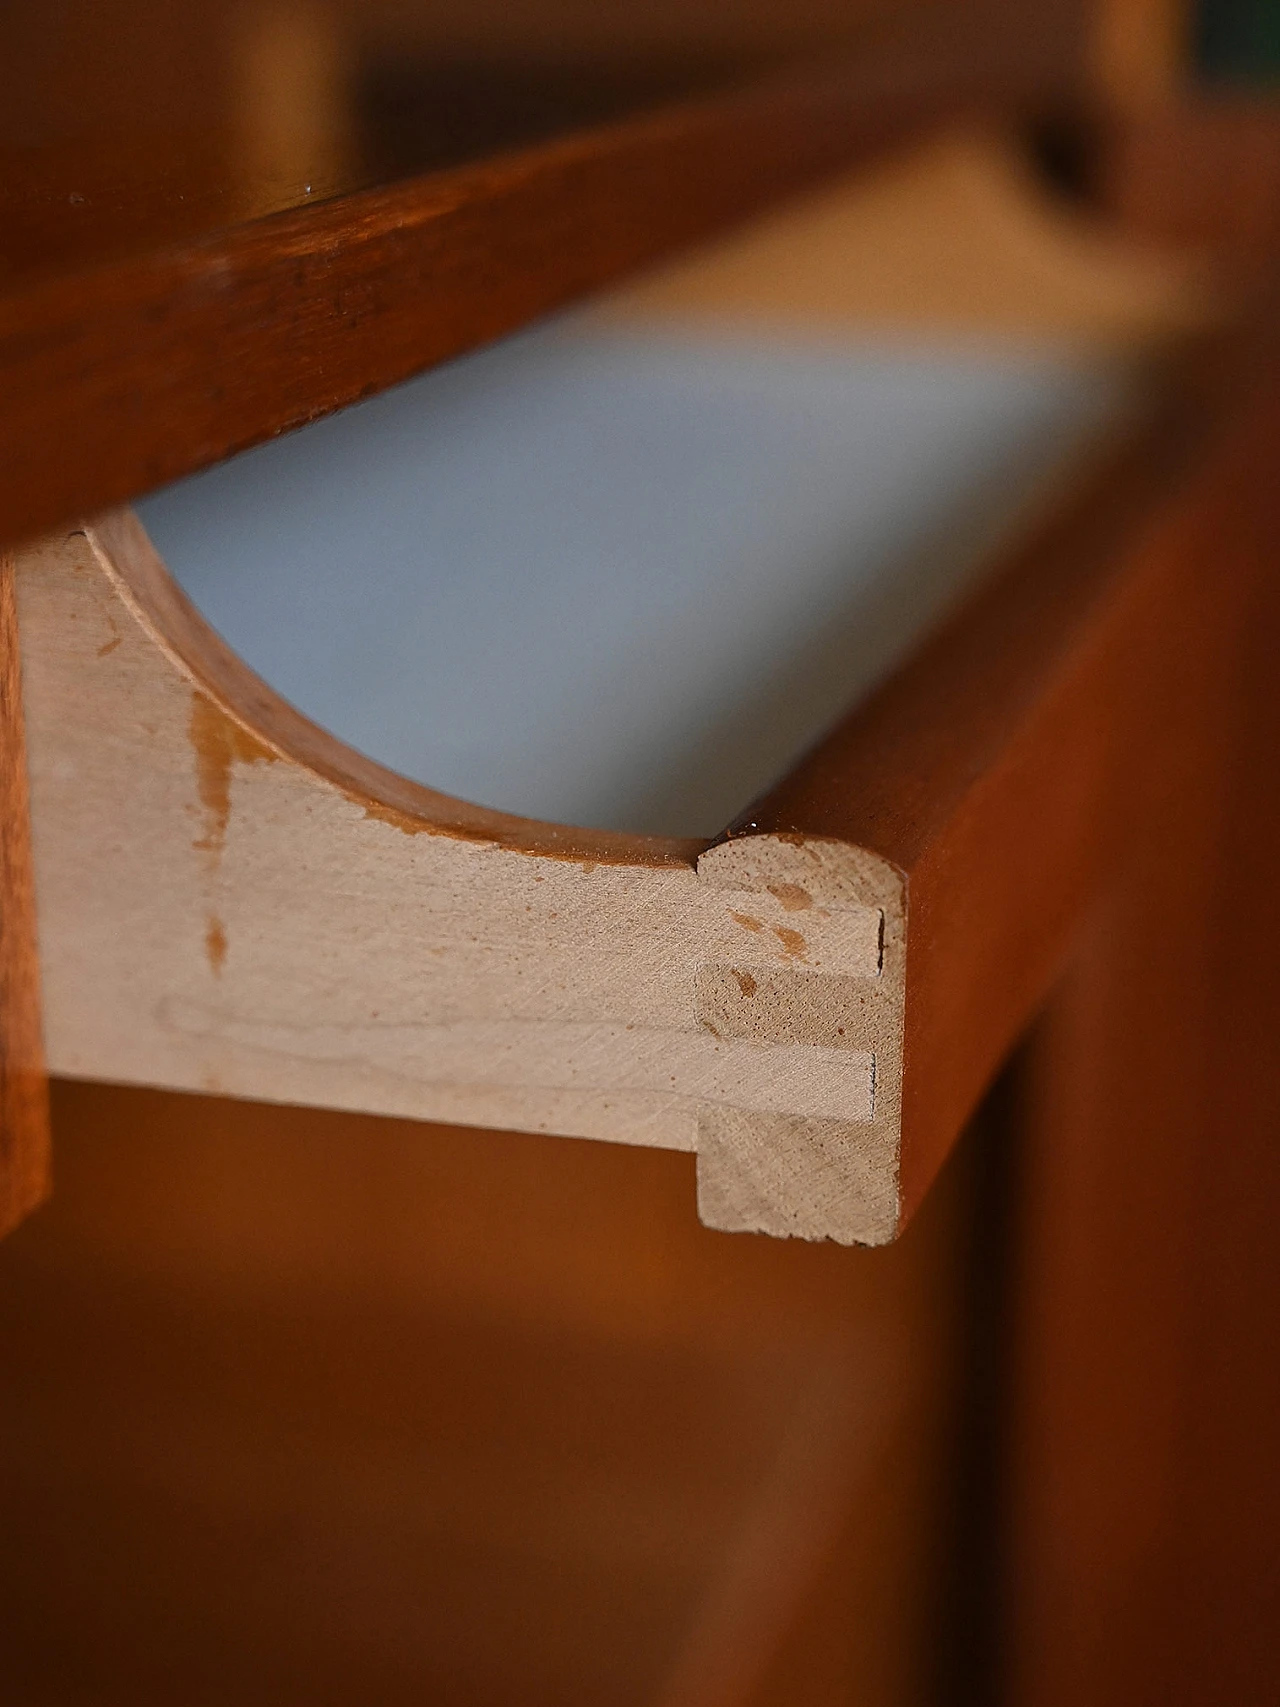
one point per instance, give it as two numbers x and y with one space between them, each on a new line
139 372
813 1004
231 901
1003 771
125 554
24 1093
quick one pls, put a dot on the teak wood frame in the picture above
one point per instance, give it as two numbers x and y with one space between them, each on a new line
132 372
24 1098
231 900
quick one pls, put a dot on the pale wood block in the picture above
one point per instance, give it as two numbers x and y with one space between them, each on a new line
217 913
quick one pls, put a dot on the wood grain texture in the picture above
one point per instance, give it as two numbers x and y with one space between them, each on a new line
276 916
137 125
814 1004
282 919
304 927
145 368
1004 770
24 1113
230 900
270 915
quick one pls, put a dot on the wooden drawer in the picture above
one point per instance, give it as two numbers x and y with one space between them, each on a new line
1042 821
233 899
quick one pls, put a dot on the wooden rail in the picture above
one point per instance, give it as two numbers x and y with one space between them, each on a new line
125 374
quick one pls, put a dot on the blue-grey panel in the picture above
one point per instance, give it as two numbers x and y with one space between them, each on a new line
620 577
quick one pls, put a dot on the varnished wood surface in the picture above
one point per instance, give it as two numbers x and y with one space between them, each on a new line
1022 714
140 368
1143 1562
301 1407
1004 769
278 122
24 1113
1144 1500
129 126
263 972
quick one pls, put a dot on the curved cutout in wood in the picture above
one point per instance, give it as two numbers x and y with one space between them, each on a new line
232 901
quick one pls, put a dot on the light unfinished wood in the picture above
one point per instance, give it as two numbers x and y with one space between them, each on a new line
230 901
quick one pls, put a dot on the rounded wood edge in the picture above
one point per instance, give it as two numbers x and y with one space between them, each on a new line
140 577
24 1089
331 302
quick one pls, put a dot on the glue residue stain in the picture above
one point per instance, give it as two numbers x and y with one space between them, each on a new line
215 944
794 899
792 942
218 743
